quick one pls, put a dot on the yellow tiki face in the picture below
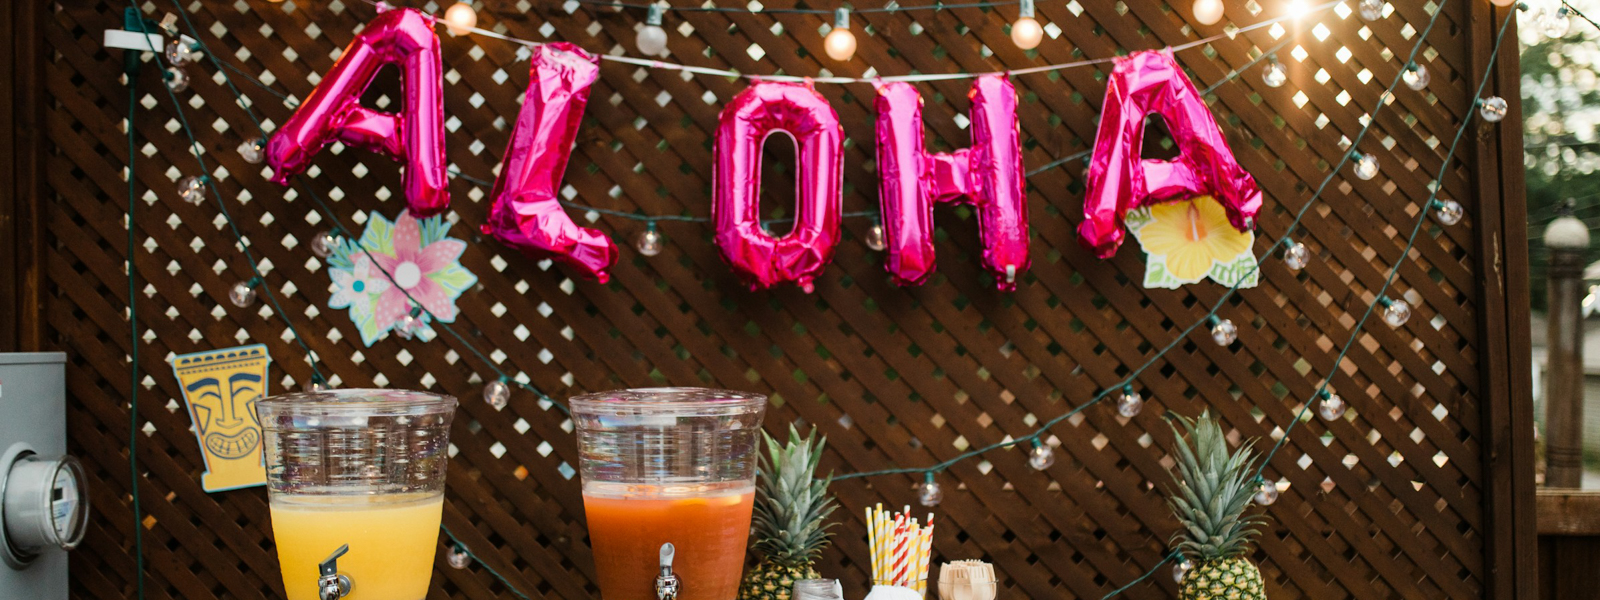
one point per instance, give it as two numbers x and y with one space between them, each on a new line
221 388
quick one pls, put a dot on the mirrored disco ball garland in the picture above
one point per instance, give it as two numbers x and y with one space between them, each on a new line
1041 455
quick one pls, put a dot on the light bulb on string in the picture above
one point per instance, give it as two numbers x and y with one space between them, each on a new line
840 44
928 492
1371 10
1395 312
1366 165
649 242
1493 109
497 393
1181 569
323 243
1130 403
1275 74
1448 212
652 39
1416 76
460 18
458 557
1026 32
253 150
179 53
1266 492
1223 331
192 189
408 324
1297 256
1041 457
1554 23
1332 407
1299 9
176 79
243 294
875 238
1208 12
315 384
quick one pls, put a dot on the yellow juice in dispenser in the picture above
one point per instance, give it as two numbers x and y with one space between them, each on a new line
392 542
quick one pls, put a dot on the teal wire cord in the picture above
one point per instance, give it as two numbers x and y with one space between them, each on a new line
456 543
133 353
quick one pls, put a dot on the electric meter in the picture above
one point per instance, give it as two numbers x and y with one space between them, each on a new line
42 504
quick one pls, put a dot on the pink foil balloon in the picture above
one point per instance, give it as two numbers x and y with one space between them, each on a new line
1119 180
527 213
756 256
988 175
415 136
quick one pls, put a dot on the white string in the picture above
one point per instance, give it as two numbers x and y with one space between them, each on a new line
670 66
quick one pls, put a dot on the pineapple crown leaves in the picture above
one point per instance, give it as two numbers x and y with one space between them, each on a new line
1214 487
792 506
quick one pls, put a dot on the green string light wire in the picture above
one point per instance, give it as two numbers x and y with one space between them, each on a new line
133 353
458 545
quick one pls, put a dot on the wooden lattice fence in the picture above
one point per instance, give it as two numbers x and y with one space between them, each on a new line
1417 495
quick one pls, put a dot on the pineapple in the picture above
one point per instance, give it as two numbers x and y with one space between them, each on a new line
790 509
1213 489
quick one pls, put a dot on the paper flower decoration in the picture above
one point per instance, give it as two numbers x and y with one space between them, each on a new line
392 269
1190 240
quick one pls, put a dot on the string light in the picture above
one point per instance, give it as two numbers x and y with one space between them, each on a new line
1416 76
1493 109
323 243
253 150
497 393
1332 407
192 189
652 39
460 18
177 79
179 53
315 384
1223 331
1026 32
1181 569
458 557
408 324
928 492
1554 23
1299 9
875 239
1371 10
840 43
1130 403
1275 74
649 242
1297 256
1266 492
1448 212
1395 312
1042 456
1208 12
243 294
1366 165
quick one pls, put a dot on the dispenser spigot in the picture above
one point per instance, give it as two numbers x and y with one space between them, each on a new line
667 584
331 585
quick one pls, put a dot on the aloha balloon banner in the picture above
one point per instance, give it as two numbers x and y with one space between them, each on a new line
756 256
401 37
987 175
527 214
1142 84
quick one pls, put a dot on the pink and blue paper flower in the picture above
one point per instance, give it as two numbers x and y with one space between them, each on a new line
395 267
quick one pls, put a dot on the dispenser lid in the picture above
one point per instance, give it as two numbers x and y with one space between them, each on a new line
670 401
354 402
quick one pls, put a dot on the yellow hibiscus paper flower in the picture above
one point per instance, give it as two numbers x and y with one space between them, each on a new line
1189 240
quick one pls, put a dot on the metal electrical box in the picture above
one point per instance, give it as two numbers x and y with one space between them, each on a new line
42 501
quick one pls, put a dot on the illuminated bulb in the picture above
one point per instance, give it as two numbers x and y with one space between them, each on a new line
1130 403
1371 10
1332 406
179 53
929 493
840 44
192 189
458 558
1223 331
1416 76
177 80
1298 9
875 237
1366 166
243 294
253 150
649 242
316 384
497 393
652 39
1181 568
1448 212
460 18
1208 12
1395 312
1553 22
323 243
1297 256
1275 75
1493 109
1041 457
1026 32
1266 493
407 326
